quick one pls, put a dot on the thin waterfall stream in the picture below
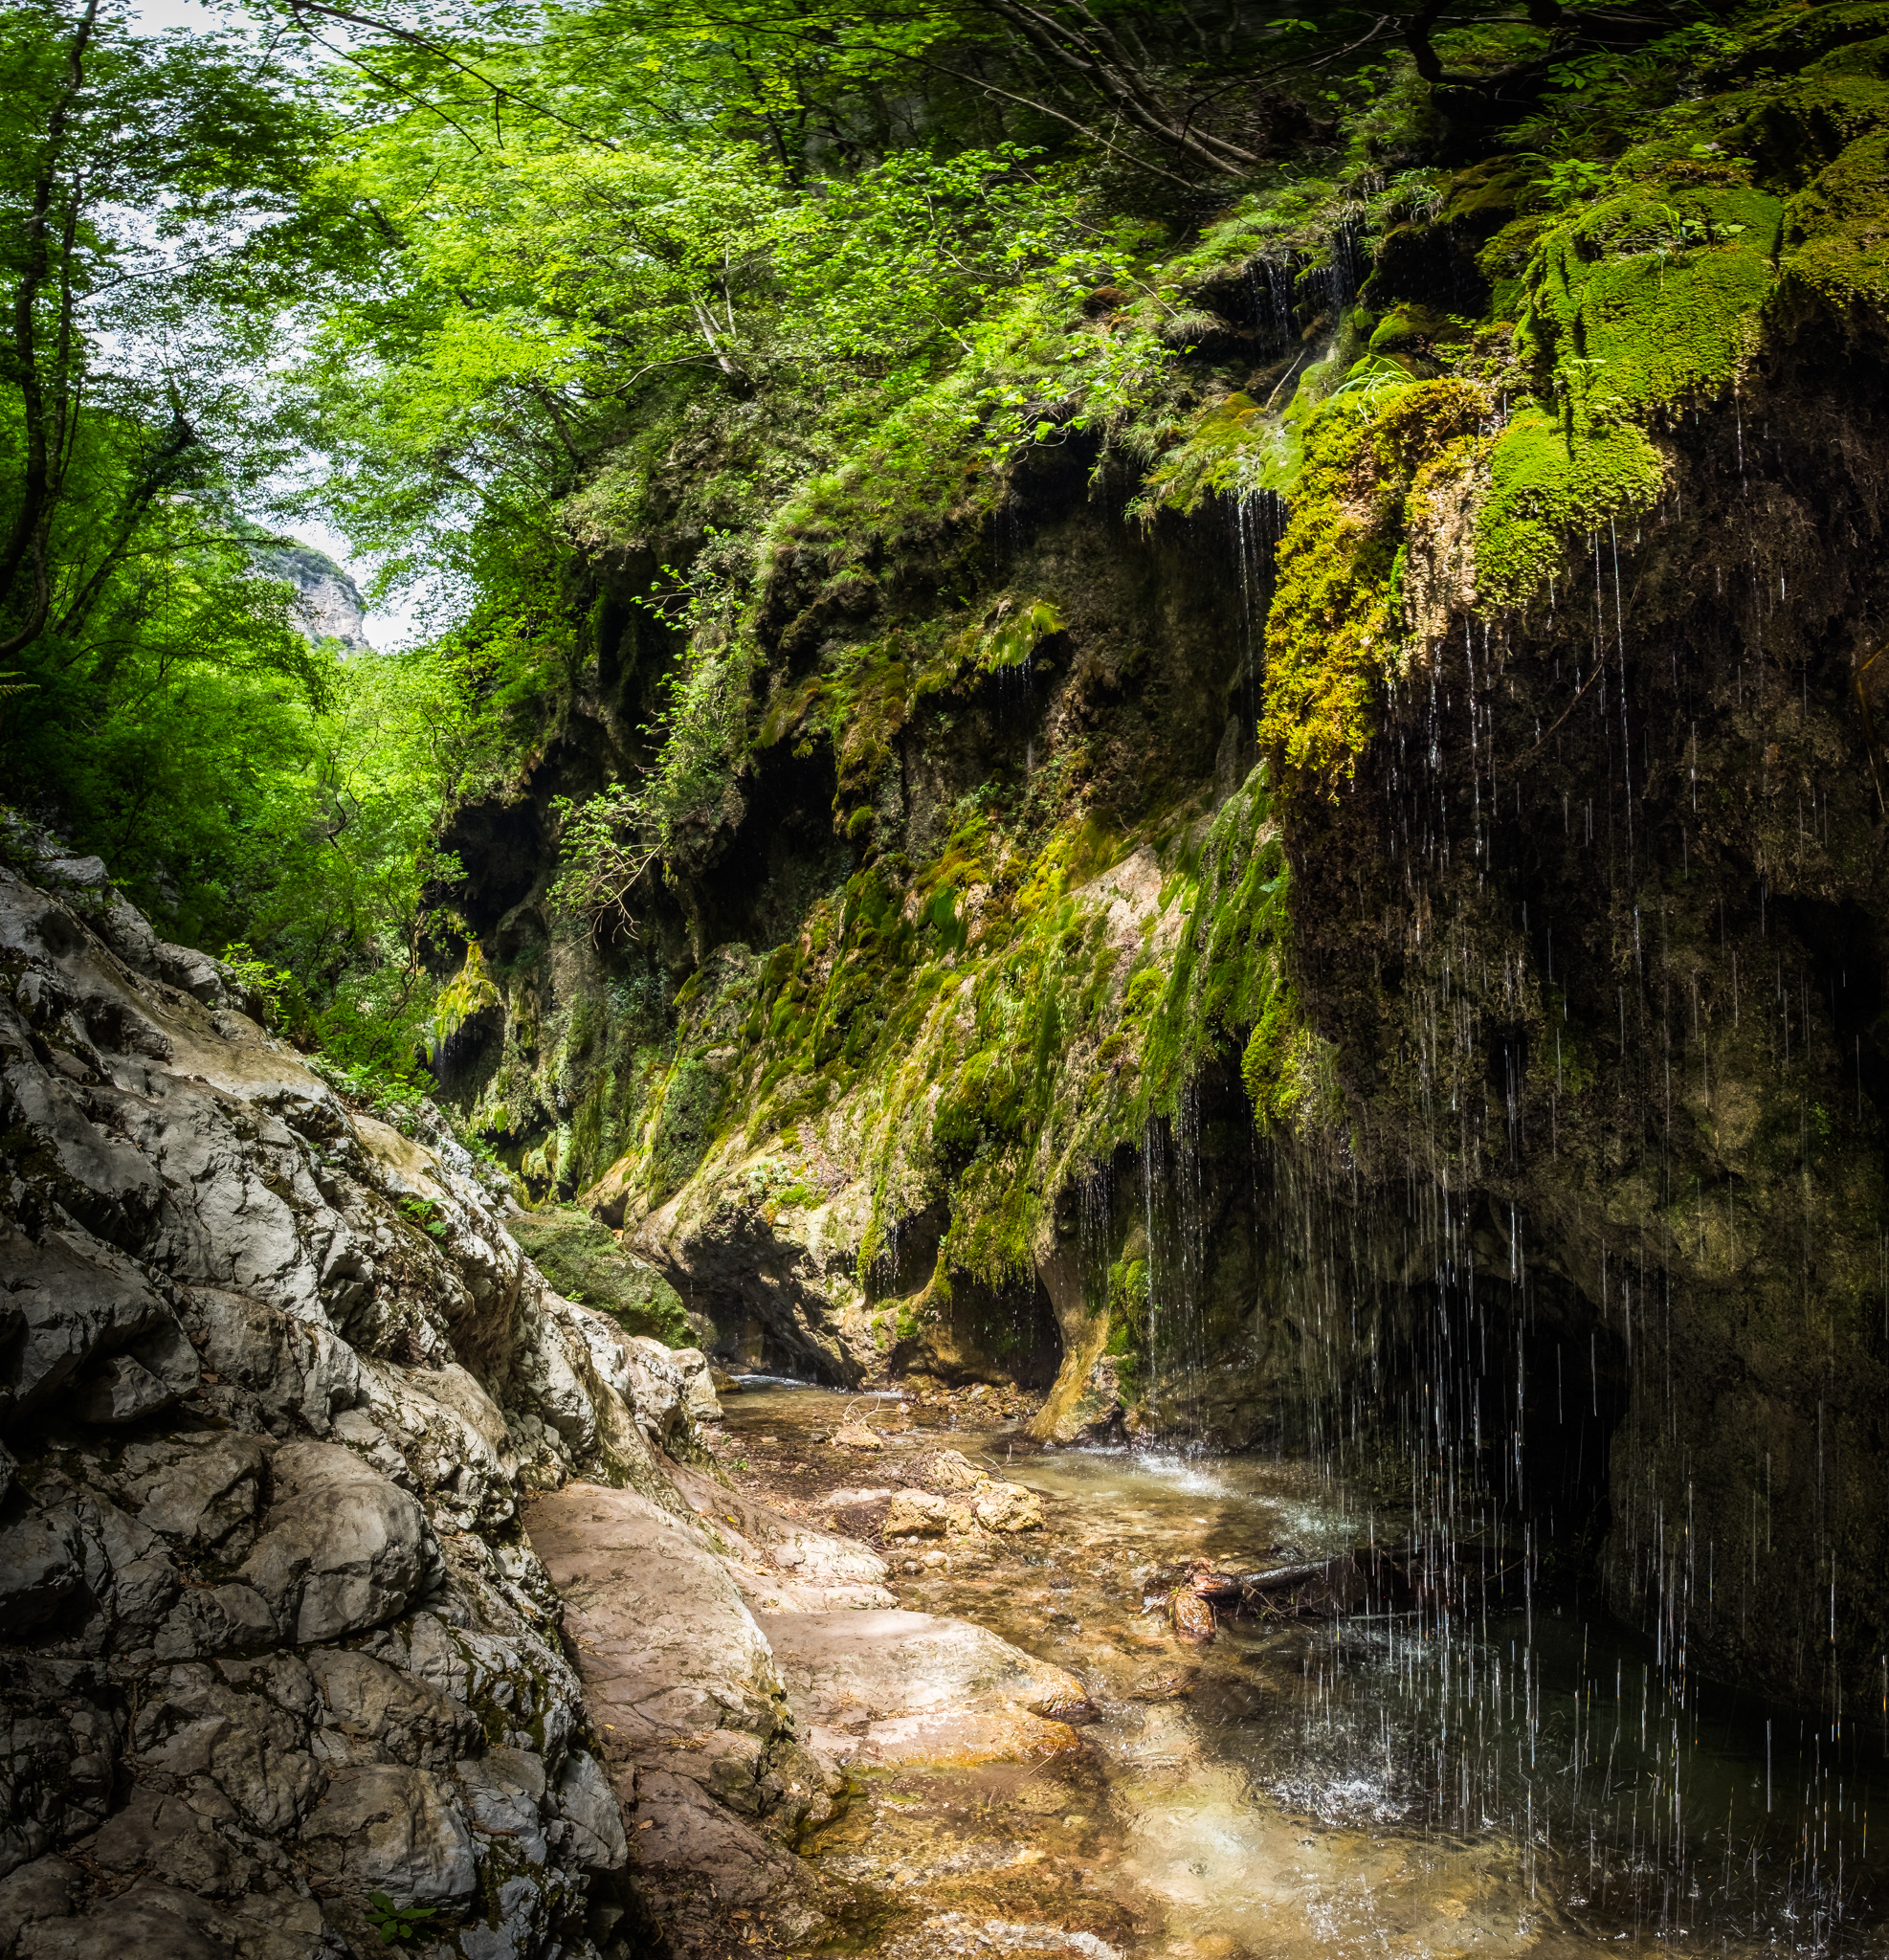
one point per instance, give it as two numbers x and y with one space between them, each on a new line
1485 1769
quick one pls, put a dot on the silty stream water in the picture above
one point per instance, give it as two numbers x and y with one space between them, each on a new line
1534 1783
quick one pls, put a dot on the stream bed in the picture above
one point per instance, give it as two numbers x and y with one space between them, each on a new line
1535 1782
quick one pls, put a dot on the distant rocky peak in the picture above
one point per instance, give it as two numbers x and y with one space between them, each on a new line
329 603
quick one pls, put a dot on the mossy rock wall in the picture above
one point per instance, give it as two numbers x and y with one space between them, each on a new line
1358 919
1598 936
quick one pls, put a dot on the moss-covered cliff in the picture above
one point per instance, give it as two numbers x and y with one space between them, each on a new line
1329 894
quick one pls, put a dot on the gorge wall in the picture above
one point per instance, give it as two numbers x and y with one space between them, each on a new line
1350 919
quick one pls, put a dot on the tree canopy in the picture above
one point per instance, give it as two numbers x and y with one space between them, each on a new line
492 287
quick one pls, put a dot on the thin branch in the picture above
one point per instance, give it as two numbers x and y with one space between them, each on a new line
427 46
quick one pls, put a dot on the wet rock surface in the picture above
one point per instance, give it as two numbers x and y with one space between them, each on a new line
274 1378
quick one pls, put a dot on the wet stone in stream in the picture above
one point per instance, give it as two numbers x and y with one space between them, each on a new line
1354 1787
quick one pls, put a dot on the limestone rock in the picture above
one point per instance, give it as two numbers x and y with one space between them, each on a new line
665 1646
392 1829
158 1922
950 1470
919 1514
211 1620
590 1815
699 1396
202 1492
1006 1507
807 1556
681 1686
264 1367
122 1390
908 1687
44 1889
453 1438
68 1298
163 1835
193 1724
42 1565
272 1370
856 1436
408 1720
343 1548
62 1726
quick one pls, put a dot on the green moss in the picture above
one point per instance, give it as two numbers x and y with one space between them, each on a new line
684 1126
1653 294
1569 1056
1836 230
1221 453
1547 483
1334 630
1408 327
1016 633
584 1263
470 992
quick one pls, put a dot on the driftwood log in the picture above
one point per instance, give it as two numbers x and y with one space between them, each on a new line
1382 1576
1320 1589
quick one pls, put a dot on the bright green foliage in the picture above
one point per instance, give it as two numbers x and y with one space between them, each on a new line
398 1925
469 993
1016 634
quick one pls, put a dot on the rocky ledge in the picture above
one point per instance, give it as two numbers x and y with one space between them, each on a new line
356 1589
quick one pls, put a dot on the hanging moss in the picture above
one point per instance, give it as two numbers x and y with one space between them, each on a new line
469 993
1334 631
1547 484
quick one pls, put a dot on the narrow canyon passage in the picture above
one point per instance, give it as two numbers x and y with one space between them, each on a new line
944 980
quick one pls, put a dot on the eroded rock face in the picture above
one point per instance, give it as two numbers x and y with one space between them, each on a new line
274 1378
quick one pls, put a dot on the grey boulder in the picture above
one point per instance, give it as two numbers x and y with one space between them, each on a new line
389 1828
65 1299
343 1548
406 1719
203 1493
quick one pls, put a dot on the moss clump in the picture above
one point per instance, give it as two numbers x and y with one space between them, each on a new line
1836 230
585 1265
1653 295
1016 633
469 993
1335 628
1285 1068
1547 483
1409 329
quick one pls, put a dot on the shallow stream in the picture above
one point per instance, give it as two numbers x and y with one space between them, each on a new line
1534 1783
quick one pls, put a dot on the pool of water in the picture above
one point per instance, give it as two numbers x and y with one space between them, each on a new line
1528 1781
